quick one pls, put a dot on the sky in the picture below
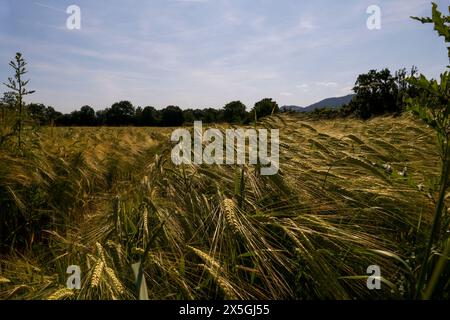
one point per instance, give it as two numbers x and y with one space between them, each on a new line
205 53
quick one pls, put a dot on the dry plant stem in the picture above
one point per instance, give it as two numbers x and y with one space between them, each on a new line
436 222
437 271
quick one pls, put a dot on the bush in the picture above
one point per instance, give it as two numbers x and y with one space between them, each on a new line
264 108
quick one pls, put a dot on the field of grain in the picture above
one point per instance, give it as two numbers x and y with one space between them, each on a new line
105 199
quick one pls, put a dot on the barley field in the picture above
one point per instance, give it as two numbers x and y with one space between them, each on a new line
349 194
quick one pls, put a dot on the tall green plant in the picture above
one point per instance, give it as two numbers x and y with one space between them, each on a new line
18 86
433 106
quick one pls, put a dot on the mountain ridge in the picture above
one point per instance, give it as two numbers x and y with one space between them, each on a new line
333 102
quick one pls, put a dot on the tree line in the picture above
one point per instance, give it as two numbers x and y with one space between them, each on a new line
123 113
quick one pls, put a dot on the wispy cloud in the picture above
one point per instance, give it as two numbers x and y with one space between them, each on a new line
326 84
49 7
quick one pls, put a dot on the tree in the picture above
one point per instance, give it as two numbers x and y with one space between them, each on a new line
120 113
188 116
52 115
74 118
172 116
433 106
380 92
375 93
9 98
37 111
150 116
7 103
208 115
87 116
137 121
101 117
405 88
234 112
264 108
18 86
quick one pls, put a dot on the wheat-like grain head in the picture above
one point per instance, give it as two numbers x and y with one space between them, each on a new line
61 294
115 281
229 209
97 274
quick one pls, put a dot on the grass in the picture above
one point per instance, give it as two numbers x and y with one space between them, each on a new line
108 198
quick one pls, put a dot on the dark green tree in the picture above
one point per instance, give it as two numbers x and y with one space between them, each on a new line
7 104
375 94
9 98
234 112
51 115
37 112
150 116
172 116
380 92
101 117
188 116
87 116
264 108
137 121
120 113
209 115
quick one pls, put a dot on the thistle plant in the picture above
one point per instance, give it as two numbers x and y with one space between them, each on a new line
433 106
18 87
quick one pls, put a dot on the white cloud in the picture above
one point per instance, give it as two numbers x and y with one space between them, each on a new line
49 7
286 94
233 19
347 90
326 84
306 25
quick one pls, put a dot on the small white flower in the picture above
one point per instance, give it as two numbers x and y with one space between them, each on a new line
387 168
404 172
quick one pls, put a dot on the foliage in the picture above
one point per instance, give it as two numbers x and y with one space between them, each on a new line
125 114
42 114
18 87
234 112
264 108
433 106
120 113
440 22
149 116
172 116
379 92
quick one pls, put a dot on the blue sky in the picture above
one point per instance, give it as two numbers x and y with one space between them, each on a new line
205 53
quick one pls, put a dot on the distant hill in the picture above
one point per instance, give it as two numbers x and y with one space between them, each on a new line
291 108
326 103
